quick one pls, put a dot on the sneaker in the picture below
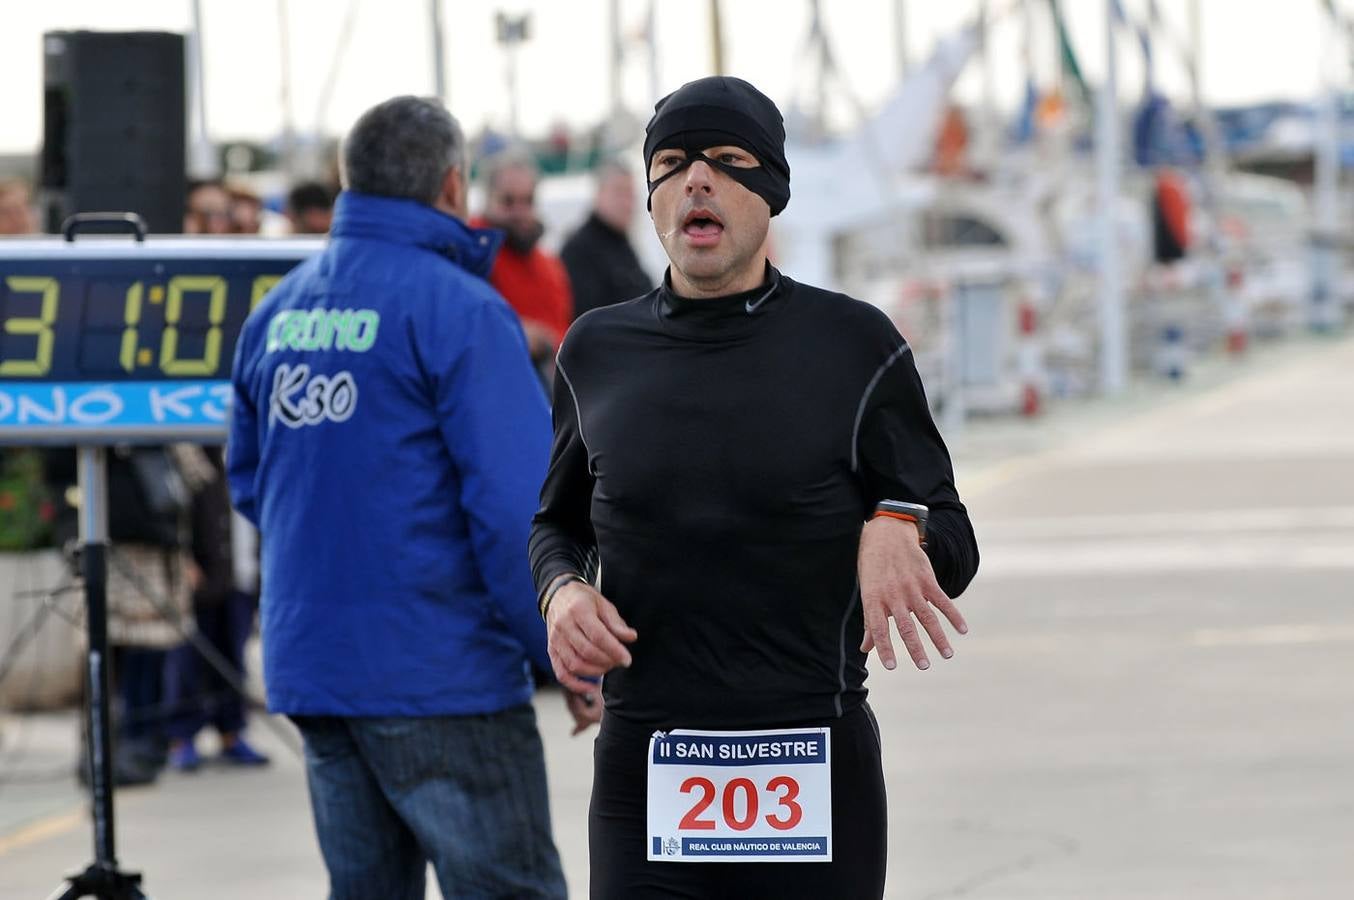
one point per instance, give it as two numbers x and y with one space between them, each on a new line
125 774
241 754
133 774
184 757
131 770
149 752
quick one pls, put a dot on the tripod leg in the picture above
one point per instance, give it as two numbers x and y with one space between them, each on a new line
68 891
128 892
102 883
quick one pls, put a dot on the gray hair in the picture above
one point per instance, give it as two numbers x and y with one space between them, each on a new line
403 147
514 157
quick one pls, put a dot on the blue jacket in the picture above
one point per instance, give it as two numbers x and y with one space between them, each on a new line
389 438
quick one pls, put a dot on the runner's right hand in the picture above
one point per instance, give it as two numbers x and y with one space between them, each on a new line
585 633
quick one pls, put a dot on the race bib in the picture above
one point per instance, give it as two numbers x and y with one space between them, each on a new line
740 796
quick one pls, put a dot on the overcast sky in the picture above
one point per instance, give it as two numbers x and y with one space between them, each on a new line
1253 50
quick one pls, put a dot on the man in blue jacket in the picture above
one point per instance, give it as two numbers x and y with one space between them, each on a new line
389 437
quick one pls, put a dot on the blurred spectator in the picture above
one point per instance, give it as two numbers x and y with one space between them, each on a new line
310 207
246 212
952 143
208 209
559 139
17 215
532 281
150 581
1170 216
553 157
224 603
602 265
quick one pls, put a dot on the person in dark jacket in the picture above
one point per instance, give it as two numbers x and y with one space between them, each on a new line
602 265
388 437
196 694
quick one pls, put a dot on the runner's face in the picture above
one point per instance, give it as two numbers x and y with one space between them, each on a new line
712 227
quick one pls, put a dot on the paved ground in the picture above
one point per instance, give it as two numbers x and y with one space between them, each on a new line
1154 700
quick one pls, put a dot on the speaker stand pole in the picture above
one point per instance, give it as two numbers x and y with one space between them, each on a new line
101 879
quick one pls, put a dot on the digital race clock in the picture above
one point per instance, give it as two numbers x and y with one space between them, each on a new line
106 340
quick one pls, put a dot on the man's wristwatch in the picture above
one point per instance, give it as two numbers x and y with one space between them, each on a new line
908 512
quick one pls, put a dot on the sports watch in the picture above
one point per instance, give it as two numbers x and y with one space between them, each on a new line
915 513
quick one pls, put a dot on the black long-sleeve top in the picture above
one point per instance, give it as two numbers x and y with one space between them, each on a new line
717 459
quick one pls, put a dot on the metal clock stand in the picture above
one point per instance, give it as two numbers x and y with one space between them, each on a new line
121 401
102 879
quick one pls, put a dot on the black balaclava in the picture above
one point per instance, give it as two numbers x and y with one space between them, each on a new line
720 110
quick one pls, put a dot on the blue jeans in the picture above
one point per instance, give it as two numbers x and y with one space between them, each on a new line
466 793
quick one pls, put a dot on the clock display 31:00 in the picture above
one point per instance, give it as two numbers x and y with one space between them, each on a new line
125 323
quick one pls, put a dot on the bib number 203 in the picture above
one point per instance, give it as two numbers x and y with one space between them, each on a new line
740 803
740 796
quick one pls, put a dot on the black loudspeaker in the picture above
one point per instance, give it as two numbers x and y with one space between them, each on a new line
114 126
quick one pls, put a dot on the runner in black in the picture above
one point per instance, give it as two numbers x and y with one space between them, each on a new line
719 443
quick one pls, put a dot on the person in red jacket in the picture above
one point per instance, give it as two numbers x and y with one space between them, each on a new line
533 282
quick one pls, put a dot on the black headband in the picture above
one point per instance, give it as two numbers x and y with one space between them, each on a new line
716 111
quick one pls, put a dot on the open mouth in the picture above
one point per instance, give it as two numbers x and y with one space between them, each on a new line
702 223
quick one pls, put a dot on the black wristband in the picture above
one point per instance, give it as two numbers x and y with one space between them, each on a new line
553 589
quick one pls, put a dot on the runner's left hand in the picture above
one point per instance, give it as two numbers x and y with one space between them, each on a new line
896 580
